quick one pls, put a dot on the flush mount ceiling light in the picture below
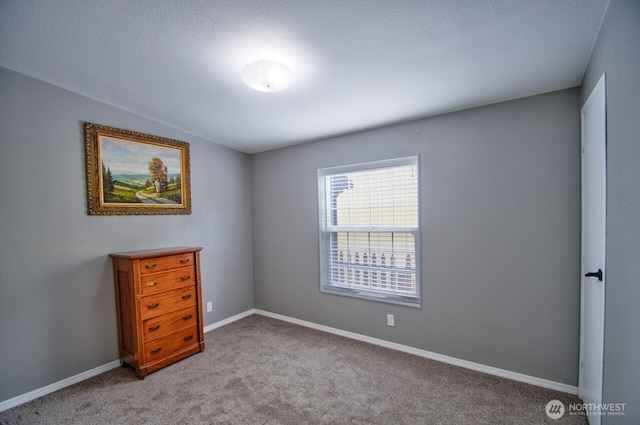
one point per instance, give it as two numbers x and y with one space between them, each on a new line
267 76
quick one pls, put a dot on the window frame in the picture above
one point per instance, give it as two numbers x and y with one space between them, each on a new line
326 229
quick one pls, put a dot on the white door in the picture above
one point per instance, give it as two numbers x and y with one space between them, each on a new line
593 119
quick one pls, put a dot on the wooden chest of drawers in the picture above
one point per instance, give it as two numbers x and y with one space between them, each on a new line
159 306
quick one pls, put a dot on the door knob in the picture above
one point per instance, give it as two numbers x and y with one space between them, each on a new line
597 274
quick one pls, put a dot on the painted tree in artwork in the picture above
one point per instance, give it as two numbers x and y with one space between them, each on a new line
158 172
107 183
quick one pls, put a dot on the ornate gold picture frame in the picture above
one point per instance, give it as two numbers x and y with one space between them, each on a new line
131 173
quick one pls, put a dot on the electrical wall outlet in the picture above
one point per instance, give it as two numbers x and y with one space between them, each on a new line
391 321
209 306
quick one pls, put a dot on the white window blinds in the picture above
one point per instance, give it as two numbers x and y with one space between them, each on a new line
369 230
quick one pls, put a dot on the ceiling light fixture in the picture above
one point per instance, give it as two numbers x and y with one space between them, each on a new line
267 76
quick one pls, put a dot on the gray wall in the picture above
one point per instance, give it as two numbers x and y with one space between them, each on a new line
500 196
617 52
57 307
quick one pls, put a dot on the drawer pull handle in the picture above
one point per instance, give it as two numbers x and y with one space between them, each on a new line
186 296
156 350
185 277
188 338
184 260
152 283
154 305
151 266
187 317
154 328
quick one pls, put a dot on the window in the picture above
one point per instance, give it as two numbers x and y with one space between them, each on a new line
369 230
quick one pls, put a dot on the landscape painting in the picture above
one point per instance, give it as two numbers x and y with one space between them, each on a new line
135 173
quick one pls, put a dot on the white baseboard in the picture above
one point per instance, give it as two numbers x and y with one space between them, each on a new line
228 320
32 395
430 355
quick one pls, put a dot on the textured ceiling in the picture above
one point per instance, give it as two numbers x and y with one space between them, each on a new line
358 64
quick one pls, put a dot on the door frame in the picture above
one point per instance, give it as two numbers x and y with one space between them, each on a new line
600 88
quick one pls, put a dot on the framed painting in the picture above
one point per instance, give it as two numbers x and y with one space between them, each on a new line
131 173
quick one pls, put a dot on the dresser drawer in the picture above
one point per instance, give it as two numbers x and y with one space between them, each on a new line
164 302
172 279
158 264
167 323
166 345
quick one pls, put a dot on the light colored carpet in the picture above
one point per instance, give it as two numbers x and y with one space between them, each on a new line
264 371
